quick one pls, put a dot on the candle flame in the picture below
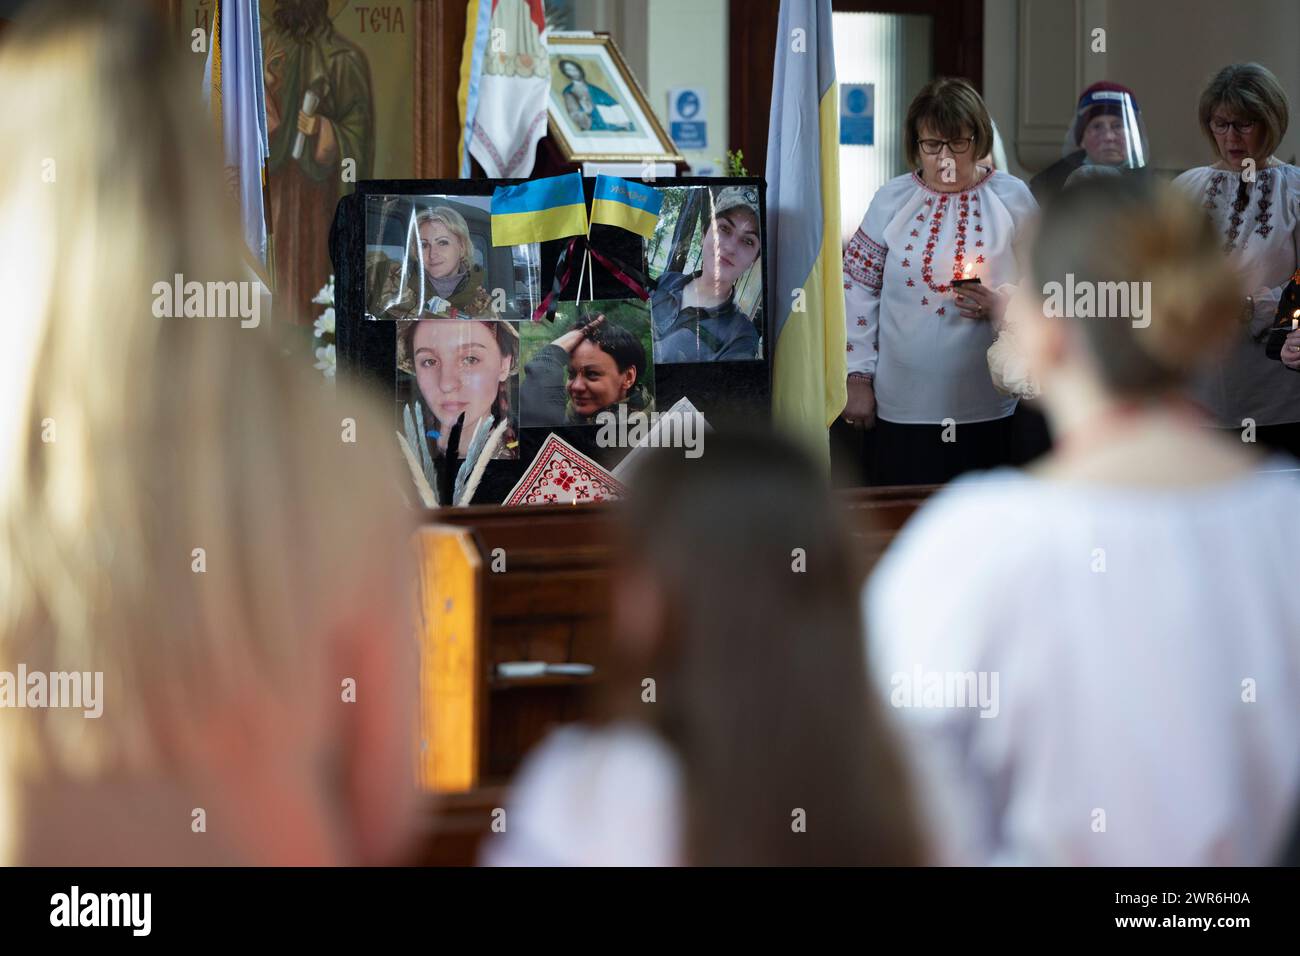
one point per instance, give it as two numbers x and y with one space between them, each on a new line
1296 314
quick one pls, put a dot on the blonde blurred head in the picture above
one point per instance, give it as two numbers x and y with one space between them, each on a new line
1124 230
128 441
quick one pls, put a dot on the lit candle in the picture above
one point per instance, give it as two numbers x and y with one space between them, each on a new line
966 277
1295 320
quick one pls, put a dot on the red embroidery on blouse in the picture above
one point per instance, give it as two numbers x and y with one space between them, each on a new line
864 262
965 210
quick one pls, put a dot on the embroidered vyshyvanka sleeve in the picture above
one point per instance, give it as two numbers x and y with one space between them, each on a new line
864 269
1267 298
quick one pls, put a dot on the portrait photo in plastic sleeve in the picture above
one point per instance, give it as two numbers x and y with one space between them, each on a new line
704 261
447 368
594 357
432 256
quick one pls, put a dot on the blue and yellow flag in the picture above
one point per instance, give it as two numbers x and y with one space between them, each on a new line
630 205
539 210
803 229
233 83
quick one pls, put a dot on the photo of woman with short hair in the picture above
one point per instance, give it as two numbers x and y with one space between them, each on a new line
595 365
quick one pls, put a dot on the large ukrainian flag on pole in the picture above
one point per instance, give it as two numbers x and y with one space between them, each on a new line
539 210
233 84
803 228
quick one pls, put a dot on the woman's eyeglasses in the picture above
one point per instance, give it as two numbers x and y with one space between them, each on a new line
1221 126
933 147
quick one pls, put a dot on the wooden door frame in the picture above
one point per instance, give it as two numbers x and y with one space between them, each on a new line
958 50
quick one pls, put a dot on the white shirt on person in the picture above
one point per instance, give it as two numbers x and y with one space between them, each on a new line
605 796
1263 239
1140 657
903 326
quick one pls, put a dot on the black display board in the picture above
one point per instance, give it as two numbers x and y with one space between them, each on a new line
723 391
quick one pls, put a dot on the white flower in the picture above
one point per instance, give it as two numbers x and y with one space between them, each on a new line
326 294
325 360
325 324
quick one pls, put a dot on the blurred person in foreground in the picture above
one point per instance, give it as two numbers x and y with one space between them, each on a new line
1119 601
761 745
129 442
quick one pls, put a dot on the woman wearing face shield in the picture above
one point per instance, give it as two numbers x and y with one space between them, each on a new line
1107 136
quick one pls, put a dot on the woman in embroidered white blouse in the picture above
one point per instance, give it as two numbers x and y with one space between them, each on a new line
1254 200
1126 592
916 346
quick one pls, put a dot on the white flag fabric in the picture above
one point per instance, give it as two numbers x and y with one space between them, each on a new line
512 90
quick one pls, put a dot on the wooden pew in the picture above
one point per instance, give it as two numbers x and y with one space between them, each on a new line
508 584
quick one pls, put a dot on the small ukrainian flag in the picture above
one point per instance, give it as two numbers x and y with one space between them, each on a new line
630 205
539 211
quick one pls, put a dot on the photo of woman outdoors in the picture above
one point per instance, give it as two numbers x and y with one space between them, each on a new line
707 304
599 361
458 368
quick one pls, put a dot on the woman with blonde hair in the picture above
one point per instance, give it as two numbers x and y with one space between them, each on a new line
1126 593
440 276
187 546
1254 200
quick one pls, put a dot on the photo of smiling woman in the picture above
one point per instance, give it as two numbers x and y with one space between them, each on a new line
460 367
697 309
437 277
599 362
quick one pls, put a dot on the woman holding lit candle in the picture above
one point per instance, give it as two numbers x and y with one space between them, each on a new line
1291 348
917 342
1254 200
1125 591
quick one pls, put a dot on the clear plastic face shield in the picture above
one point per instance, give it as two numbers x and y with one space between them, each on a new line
1109 129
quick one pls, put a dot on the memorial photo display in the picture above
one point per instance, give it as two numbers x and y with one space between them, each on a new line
429 308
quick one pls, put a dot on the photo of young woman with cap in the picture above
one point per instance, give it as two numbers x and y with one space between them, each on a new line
695 314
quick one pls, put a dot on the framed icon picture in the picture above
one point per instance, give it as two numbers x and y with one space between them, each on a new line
597 112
